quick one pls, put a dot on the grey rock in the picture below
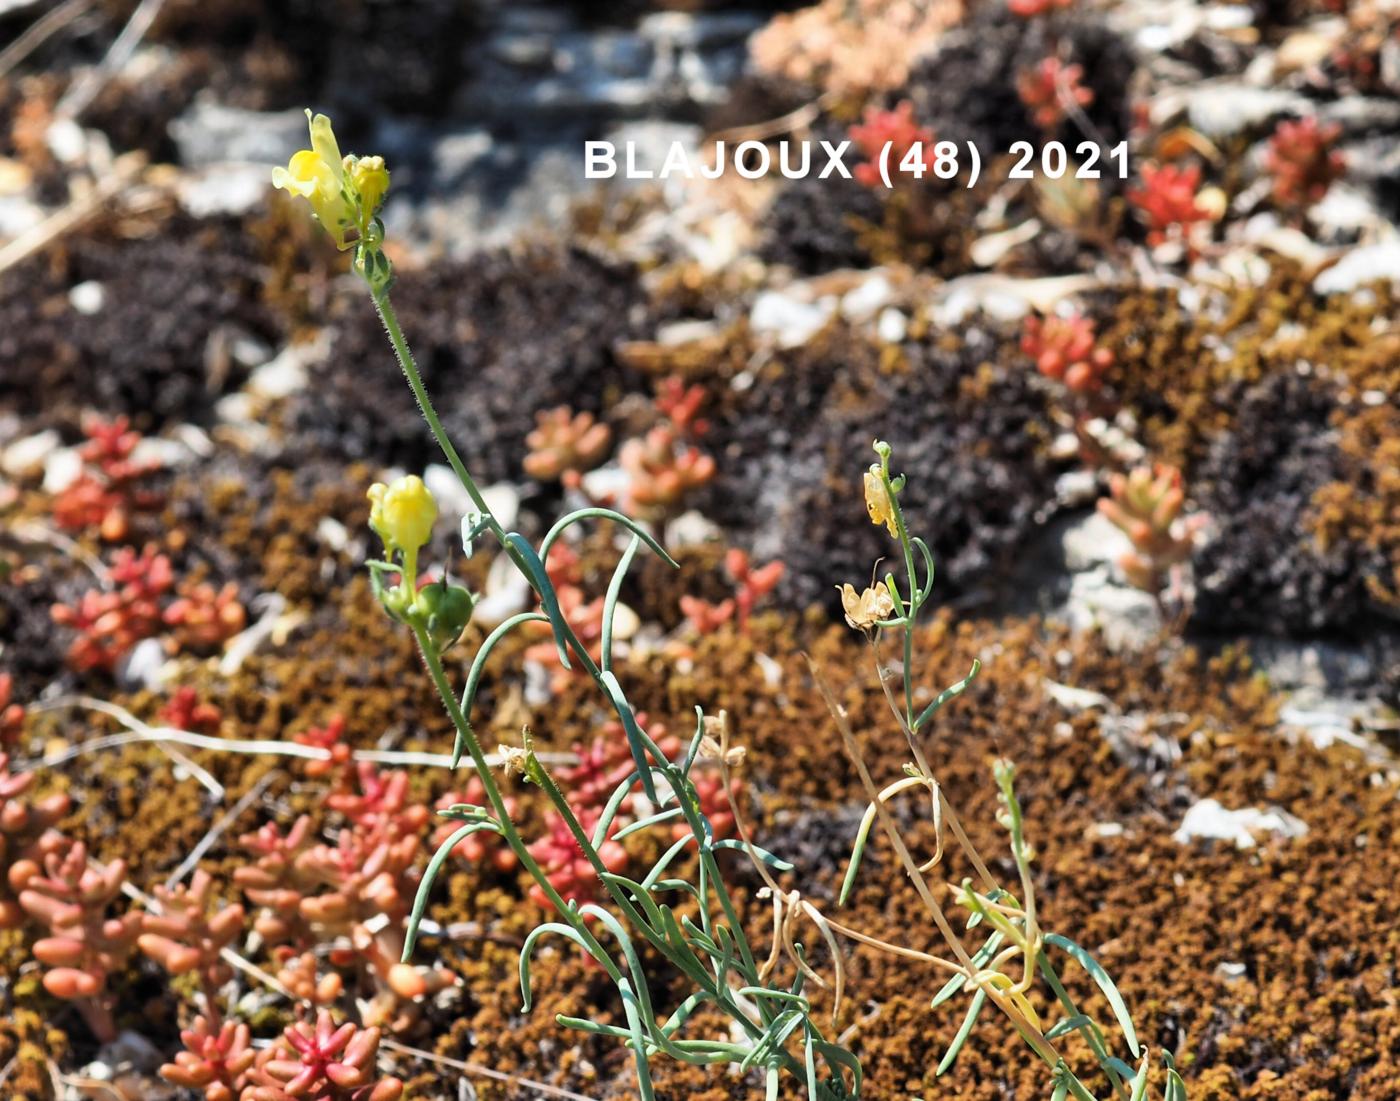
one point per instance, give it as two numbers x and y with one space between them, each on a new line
1091 542
210 133
1219 110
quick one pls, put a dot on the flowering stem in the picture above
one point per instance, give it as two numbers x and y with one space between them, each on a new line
410 370
409 366
433 660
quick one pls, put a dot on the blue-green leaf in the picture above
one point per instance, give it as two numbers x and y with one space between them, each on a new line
1105 984
979 999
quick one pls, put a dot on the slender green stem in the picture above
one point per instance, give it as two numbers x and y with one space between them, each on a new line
409 366
498 804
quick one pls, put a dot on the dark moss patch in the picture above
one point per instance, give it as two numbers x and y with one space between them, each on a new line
175 294
498 338
968 431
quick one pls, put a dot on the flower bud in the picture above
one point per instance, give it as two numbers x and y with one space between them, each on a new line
402 513
371 181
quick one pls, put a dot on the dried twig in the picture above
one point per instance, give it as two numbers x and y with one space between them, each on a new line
127 168
82 93
484 1072
39 32
228 818
138 731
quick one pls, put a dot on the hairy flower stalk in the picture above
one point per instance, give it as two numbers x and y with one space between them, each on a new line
711 949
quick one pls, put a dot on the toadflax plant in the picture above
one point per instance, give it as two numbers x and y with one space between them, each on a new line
690 922
1016 957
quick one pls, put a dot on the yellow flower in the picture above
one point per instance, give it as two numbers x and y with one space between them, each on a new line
318 176
877 500
864 610
402 513
371 181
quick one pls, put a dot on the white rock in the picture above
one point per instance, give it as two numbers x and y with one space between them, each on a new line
332 533
160 451
791 322
892 327
864 301
678 333
626 622
608 482
1344 210
691 529
772 670
29 452
1208 819
1075 699
507 592
1092 541
61 469
452 497
1074 488
223 189
87 297
143 666
1364 264
285 374
1127 617
66 140
503 499
1220 109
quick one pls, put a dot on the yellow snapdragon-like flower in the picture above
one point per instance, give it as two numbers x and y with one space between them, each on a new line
402 513
877 500
318 176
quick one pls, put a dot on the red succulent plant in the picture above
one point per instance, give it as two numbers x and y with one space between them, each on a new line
108 490
71 899
323 1062
1303 162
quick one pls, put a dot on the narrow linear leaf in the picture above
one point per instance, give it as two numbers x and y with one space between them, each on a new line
425 885
540 582
979 959
857 854
644 750
948 694
964 1031
610 600
1139 1083
763 854
528 948
478 667
1066 1026
1105 984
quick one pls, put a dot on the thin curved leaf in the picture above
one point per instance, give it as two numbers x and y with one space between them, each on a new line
540 582
477 668
425 885
763 854
610 600
1105 984
594 513
948 694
